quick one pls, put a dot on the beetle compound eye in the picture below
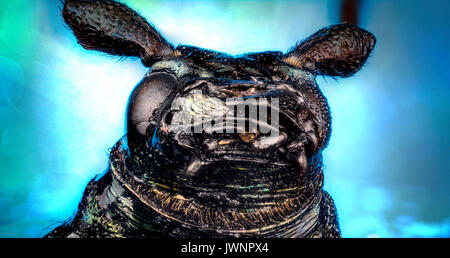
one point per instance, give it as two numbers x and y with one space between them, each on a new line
147 97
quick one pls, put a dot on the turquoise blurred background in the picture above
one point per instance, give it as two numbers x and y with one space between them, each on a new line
387 164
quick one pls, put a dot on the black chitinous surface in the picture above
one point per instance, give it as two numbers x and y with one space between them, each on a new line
164 180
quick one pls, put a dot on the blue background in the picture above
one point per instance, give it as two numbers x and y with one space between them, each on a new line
387 164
